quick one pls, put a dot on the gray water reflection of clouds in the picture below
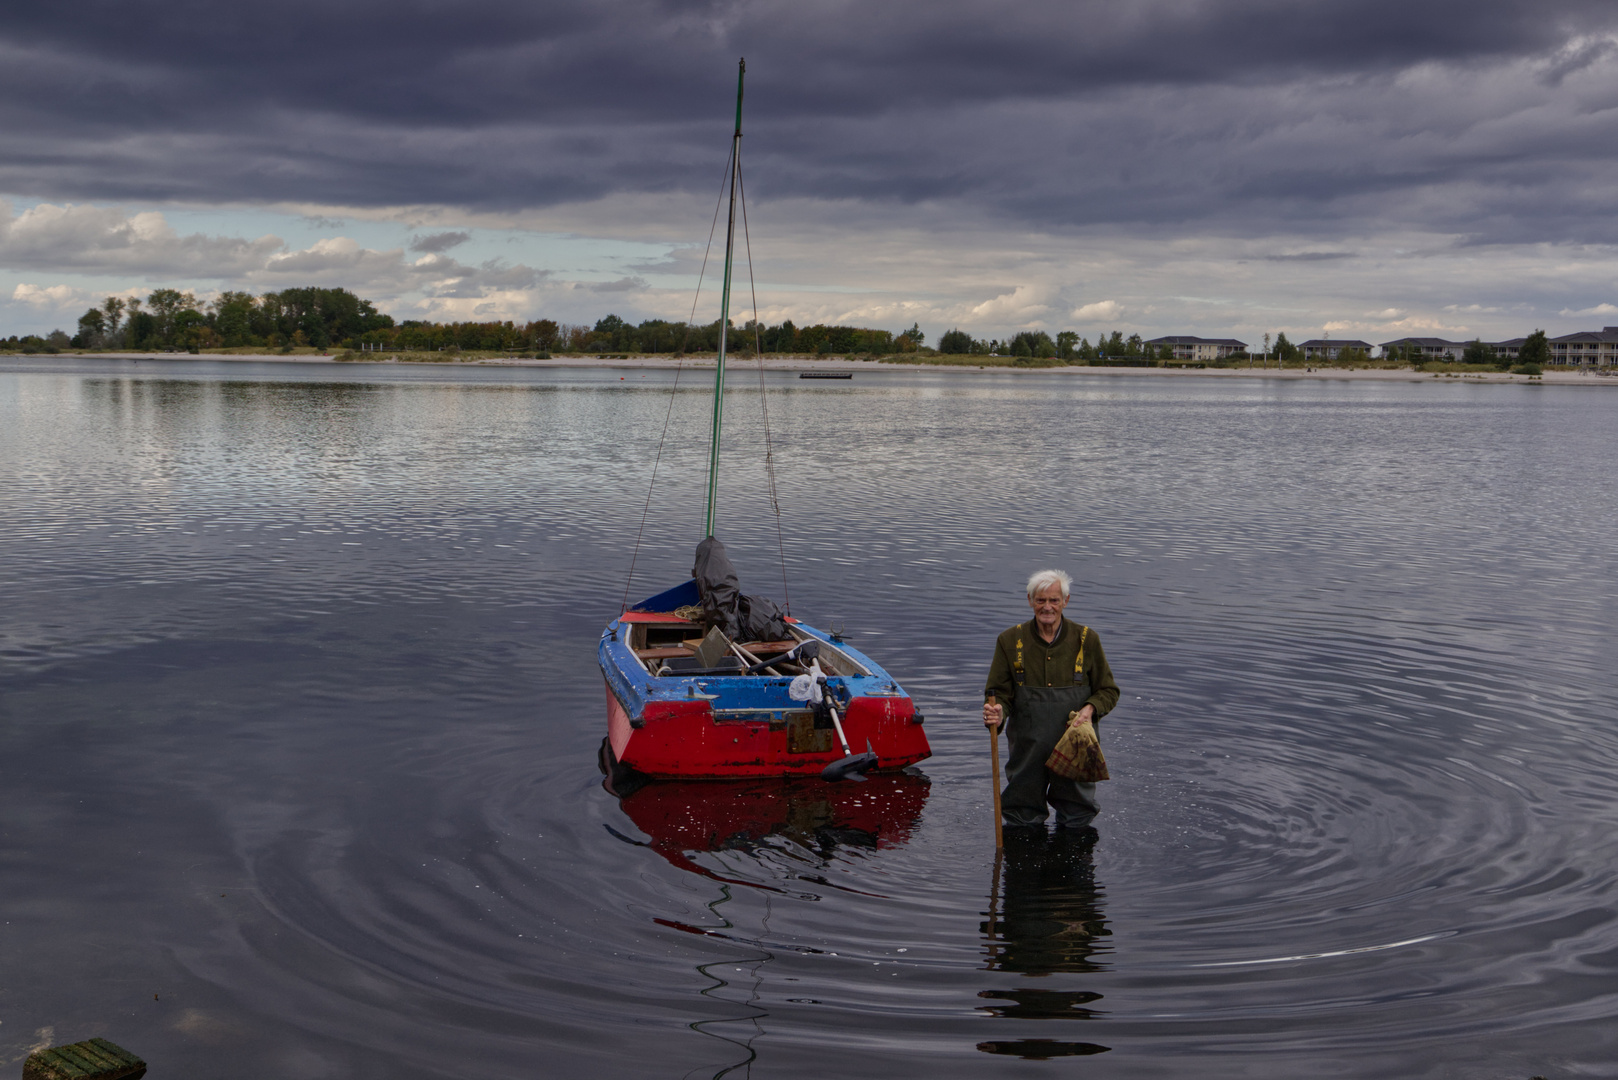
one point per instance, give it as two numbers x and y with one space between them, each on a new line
322 640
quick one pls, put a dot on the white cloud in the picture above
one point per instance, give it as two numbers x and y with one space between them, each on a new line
493 306
1411 326
1022 306
101 243
1101 309
47 298
1599 309
94 239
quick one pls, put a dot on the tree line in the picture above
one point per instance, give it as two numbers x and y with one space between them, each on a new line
1067 345
169 319
172 320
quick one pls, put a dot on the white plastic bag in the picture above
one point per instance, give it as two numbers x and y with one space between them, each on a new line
807 687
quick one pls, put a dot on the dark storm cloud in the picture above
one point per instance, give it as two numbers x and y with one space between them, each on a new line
1487 117
437 242
628 284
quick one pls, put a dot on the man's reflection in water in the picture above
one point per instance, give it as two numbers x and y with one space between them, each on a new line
1044 919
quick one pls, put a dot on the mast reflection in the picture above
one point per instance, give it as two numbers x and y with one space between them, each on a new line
1045 918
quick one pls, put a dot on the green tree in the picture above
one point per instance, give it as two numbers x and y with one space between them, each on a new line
1036 342
610 334
1476 352
1536 349
114 307
955 342
191 330
915 336
140 331
165 305
1284 350
233 318
786 337
543 334
92 325
1065 341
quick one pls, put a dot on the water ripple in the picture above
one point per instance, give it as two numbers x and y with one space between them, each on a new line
318 644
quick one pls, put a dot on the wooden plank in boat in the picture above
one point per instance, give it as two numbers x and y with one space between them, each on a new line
763 649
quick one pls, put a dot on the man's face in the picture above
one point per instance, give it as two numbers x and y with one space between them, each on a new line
1048 604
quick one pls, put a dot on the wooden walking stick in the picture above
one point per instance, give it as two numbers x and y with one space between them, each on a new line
999 837
994 755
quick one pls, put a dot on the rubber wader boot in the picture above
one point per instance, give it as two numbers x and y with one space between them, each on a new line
1038 718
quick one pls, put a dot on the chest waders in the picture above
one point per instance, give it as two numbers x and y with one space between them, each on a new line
1038 718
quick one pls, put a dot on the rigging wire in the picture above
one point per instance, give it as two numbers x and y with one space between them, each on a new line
679 366
763 399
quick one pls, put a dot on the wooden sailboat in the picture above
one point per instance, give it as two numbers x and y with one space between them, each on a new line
772 697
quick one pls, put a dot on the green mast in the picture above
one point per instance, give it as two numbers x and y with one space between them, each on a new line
724 305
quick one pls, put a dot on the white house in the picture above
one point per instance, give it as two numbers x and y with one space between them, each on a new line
1329 348
1587 348
1199 350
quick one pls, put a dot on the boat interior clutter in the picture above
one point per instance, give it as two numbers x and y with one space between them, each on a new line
678 648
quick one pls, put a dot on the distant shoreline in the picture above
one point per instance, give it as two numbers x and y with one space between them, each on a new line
815 363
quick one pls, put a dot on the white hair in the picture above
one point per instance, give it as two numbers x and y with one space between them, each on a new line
1044 579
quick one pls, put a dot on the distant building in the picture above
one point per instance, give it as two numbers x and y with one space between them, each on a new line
1587 348
1328 348
1428 348
1432 348
1201 350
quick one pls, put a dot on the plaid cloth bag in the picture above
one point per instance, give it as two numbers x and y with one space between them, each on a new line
1078 754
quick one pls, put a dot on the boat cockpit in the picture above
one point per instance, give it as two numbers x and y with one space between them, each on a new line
677 648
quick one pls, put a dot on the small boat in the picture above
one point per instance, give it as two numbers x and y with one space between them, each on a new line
825 375
704 682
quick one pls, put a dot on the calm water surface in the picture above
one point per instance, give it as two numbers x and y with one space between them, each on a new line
299 712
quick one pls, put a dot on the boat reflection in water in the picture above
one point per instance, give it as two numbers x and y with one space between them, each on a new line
1045 918
683 817
807 820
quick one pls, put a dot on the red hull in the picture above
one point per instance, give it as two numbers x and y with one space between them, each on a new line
681 739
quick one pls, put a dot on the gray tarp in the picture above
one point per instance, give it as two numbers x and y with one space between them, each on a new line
741 618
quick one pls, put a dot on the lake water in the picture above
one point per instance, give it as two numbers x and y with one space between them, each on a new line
300 716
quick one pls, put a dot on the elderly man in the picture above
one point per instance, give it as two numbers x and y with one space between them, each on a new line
1044 670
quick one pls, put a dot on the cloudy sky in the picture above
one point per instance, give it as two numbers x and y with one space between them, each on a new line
1367 168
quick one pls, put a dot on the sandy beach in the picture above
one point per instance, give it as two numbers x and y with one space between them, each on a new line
840 365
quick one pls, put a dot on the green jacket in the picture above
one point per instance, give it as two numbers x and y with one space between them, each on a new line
1022 648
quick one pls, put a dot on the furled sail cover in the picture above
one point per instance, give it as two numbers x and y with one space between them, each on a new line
742 618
